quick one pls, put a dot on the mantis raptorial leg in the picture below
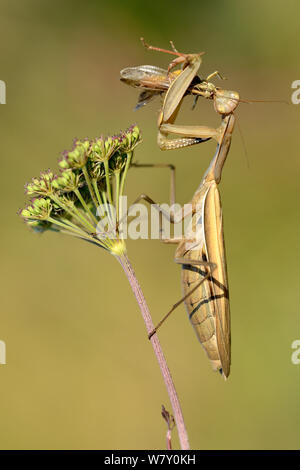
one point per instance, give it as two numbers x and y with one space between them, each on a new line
225 103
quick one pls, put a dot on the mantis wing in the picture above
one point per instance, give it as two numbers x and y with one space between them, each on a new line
208 305
215 249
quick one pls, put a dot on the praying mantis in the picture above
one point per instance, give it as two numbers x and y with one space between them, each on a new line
203 259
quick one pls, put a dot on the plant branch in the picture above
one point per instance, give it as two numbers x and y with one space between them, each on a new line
178 416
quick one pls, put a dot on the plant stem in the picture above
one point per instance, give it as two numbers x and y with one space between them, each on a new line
95 186
74 213
117 180
127 165
107 179
89 184
182 433
85 206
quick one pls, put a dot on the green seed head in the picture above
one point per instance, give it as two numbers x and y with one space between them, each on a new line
130 139
102 149
117 162
39 209
42 186
77 157
96 170
68 181
67 202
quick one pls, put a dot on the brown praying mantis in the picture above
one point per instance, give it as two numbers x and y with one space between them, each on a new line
203 260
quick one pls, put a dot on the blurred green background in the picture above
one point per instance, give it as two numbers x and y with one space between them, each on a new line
80 371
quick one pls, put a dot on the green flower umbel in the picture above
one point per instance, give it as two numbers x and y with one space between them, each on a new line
86 193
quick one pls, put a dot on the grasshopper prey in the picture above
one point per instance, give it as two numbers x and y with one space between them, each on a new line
155 81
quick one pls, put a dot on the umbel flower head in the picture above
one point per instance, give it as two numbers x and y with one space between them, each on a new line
85 192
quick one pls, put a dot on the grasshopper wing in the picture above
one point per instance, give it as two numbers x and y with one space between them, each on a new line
146 96
145 76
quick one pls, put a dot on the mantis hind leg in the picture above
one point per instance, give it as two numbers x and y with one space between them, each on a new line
180 301
172 178
172 217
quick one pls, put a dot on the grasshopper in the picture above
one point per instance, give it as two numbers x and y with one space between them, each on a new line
177 84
